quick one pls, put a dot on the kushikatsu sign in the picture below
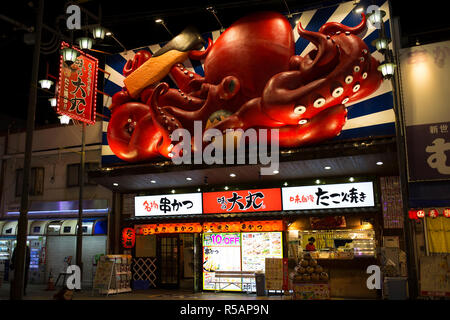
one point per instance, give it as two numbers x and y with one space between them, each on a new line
166 205
329 196
242 201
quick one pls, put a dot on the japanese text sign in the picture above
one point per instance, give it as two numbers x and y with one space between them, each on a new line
147 229
345 195
166 205
128 238
77 87
242 201
244 226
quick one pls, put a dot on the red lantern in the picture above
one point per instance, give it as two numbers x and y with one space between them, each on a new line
421 213
128 238
433 213
413 214
447 212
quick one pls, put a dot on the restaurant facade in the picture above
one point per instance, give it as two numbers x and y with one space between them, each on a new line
337 190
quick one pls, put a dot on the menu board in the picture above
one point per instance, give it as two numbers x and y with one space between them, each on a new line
257 246
221 252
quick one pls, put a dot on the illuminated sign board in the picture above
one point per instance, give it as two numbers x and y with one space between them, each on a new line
167 205
328 196
242 201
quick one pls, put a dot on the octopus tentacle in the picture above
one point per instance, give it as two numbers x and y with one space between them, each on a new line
333 27
200 55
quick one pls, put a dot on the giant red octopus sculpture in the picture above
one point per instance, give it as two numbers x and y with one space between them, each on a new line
253 79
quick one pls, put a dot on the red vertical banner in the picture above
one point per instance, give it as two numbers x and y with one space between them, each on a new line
77 87
285 274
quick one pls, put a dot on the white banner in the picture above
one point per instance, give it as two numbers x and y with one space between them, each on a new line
168 205
328 196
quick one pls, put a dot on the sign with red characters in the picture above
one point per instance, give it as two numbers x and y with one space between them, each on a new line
128 238
77 87
242 201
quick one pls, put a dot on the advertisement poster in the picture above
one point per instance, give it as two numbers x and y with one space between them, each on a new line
257 246
221 252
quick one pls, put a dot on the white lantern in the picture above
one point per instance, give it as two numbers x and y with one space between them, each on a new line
85 43
46 84
376 17
52 102
98 32
64 119
69 55
387 69
381 44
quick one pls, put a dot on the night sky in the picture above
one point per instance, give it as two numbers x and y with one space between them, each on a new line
134 26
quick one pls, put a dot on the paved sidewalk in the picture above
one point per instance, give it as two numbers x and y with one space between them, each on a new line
38 292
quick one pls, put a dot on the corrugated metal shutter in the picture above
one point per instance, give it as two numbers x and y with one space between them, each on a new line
60 247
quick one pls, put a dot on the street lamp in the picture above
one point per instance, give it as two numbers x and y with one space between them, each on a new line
376 17
387 69
85 43
69 55
98 32
52 101
381 44
45 83
64 119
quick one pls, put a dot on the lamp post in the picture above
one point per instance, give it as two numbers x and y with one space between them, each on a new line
17 288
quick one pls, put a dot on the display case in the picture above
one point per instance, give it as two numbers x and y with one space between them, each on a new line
5 249
339 244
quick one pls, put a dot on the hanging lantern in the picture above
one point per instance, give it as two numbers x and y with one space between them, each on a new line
413 214
387 69
381 44
421 213
85 43
52 101
98 32
45 83
433 213
64 119
128 238
376 17
446 212
69 55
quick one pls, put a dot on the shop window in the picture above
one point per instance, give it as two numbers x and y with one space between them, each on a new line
36 187
72 173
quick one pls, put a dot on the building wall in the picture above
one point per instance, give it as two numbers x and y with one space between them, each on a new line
53 149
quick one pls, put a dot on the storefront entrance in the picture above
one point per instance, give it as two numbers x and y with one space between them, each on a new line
168 259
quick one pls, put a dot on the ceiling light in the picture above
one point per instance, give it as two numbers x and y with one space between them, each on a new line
379 163
173 191
359 9
64 119
46 84
85 43
188 179
115 184
276 172
159 21
327 168
285 184
109 33
351 179
98 32
52 101
226 188
69 55
317 181
199 189
232 175
152 181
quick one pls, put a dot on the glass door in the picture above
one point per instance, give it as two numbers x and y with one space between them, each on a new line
168 257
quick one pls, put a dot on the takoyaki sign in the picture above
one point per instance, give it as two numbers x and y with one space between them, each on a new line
329 196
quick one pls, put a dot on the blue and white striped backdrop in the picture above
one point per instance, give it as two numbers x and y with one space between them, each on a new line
373 116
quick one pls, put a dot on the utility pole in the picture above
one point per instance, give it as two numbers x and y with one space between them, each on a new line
19 272
79 250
